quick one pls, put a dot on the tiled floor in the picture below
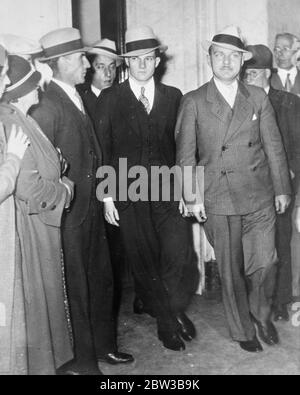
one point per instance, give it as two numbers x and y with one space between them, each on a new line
212 352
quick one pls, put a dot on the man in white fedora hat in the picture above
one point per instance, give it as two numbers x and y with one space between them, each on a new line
136 120
104 62
230 129
63 119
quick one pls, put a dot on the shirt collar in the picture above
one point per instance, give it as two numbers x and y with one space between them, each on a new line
267 89
292 72
136 88
95 90
224 87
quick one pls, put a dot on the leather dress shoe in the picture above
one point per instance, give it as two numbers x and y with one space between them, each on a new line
267 333
251 345
171 340
187 329
280 312
72 369
116 357
140 308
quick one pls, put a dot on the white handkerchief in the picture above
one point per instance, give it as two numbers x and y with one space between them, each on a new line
254 118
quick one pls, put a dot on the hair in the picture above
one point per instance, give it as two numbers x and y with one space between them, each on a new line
53 64
291 37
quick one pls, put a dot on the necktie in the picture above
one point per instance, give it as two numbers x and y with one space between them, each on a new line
80 103
143 99
288 83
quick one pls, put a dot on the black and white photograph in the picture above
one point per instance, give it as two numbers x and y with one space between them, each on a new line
149 190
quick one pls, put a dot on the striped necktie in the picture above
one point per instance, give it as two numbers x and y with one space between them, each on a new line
288 83
143 99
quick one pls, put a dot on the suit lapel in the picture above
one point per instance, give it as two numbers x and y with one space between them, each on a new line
242 110
160 108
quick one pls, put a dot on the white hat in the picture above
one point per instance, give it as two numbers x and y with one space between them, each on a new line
61 42
141 40
230 37
21 46
108 48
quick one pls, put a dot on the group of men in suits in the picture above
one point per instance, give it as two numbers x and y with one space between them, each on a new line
225 126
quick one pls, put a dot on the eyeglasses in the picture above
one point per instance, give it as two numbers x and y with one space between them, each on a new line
283 50
253 73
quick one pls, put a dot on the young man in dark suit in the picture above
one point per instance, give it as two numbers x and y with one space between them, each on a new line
287 111
62 117
230 129
136 120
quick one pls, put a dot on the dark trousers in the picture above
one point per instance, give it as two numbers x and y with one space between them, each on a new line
158 244
246 256
283 287
90 288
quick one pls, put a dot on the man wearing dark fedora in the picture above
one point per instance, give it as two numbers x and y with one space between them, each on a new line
230 129
137 120
258 71
63 119
104 62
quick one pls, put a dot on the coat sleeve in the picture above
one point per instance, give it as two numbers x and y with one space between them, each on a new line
9 171
46 115
40 194
274 150
186 150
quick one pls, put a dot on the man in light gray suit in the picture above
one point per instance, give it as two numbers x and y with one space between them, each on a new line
231 129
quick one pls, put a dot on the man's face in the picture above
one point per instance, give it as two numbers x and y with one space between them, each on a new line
257 77
76 67
225 63
142 68
283 53
105 71
4 80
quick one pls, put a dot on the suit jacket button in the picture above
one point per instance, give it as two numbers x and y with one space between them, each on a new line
249 144
223 172
89 176
43 204
54 207
224 148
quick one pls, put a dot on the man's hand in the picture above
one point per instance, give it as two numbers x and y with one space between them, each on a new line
281 203
111 213
297 219
197 211
183 209
17 142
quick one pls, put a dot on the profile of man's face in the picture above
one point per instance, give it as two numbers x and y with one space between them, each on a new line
225 63
76 65
283 52
142 67
105 70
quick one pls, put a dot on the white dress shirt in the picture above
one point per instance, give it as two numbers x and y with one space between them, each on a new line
282 73
95 90
71 92
149 90
227 91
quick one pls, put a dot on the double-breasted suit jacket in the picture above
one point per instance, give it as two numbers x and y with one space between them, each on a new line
241 150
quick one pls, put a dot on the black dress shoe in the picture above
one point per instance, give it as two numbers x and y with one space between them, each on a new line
116 357
72 369
171 340
187 329
251 345
267 333
280 312
140 308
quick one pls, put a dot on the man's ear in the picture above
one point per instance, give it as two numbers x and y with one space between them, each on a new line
208 60
157 61
127 62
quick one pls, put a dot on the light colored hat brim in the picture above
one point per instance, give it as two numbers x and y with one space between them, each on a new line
206 44
99 51
139 52
45 58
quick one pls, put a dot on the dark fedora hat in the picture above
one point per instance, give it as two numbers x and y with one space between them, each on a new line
61 42
23 77
262 57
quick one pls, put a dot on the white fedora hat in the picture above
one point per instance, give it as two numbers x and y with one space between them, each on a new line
141 40
230 37
21 46
108 48
61 42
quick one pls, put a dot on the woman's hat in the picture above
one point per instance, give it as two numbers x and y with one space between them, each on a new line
141 40
3 56
23 77
61 42
262 57
230 37
106 47
21 46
